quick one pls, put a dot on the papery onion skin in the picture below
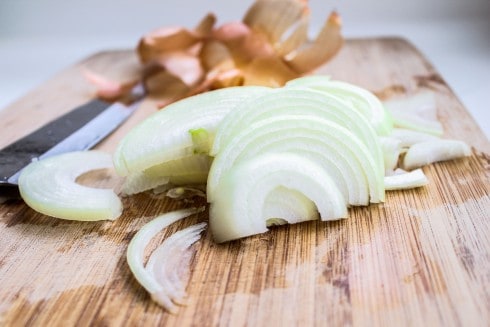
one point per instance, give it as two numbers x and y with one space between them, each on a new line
49 187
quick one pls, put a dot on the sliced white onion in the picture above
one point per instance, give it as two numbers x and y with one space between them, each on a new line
425 153
49 186
288 206
190 170
237 209
407 180
391 152
292 101
135 255
361 99
166 135
417 112
410 137
335 148
169 264
139 182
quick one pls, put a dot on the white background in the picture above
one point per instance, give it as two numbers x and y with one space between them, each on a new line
40 37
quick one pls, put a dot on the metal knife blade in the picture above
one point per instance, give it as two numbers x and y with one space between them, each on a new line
80 129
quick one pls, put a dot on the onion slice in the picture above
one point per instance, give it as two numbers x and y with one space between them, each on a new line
237 208
150 143
406 180
361 99
158 287
425 153
49 187
410 137
417 112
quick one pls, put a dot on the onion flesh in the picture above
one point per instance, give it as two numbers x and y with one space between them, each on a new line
237 208
417 112
135 256
361 99
150 143
407 180
428 152
49 187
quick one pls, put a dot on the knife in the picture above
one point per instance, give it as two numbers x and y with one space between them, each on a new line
80 129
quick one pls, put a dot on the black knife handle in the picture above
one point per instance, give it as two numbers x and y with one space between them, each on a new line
17 155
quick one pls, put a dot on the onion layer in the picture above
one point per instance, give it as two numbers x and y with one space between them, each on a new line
157 277
406 180
49 186
427 152
238 206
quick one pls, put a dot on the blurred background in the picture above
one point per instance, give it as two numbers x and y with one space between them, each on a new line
38 38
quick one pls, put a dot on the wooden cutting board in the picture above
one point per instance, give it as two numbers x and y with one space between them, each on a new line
421 258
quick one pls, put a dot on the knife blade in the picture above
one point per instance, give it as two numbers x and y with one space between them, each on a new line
79 129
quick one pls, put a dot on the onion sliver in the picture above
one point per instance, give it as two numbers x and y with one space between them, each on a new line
391 152
237 209
169 264
410 137
136 249
417 112
49 186
166 136
361 99
425 153
408 180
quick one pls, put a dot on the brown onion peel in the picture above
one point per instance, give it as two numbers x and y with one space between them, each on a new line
268 47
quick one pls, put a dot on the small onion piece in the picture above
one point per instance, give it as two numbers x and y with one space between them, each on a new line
425 153
49 187
407 180
391 153
136 249
410 137
417 112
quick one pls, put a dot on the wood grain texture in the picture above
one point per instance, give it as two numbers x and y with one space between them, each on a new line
421 258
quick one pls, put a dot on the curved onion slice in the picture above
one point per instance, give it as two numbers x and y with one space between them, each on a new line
417 112
135 256
425 153
165 136
391 152
304 101
48 186
332 146
410 137
169 264
406 180
361 99
288 205
237 209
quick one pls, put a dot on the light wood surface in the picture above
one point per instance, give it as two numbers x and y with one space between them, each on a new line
420 259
